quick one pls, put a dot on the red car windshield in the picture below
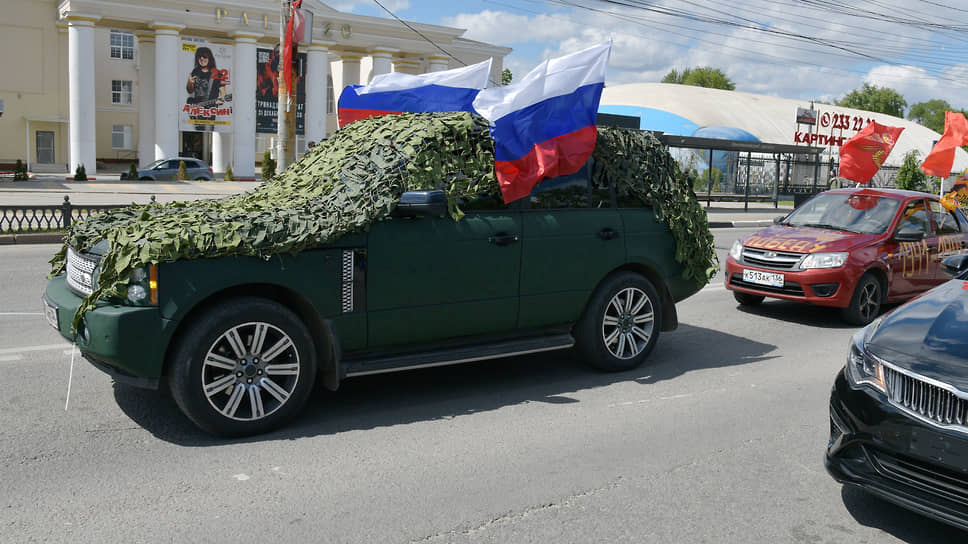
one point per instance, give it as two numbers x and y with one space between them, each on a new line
861 213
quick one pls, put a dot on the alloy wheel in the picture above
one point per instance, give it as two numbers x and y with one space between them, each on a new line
250 371
628 323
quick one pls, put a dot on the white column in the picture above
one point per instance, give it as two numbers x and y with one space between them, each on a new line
221 151
80 40
317 72
382 60
438 63
169 89
351 68
243 108
146 97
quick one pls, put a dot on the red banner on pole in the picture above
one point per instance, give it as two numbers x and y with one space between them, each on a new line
862 156
942 155
287 49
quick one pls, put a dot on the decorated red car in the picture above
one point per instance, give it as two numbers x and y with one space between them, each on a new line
852 249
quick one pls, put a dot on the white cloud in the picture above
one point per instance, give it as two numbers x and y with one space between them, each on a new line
503 28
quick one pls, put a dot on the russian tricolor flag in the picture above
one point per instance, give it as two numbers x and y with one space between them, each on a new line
396 92
544 126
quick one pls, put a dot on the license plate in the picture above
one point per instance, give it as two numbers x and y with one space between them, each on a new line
50 312
763 278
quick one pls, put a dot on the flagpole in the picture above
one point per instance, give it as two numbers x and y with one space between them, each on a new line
282 133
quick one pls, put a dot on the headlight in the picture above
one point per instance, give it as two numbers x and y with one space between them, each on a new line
823 260
862 368
143 285
736 252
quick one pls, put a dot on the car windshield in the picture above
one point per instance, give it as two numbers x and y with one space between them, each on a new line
155 164
850 212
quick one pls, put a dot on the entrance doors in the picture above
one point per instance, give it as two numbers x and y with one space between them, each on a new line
45 147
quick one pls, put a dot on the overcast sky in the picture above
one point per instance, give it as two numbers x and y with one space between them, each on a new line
806 49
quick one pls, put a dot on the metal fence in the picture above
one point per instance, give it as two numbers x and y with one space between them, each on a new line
51 217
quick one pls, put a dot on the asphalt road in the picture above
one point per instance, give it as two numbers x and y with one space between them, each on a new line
718 439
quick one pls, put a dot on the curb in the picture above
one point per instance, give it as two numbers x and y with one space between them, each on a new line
32 238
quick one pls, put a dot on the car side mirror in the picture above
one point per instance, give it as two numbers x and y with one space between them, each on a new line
417 203
779 219
955 265
909 235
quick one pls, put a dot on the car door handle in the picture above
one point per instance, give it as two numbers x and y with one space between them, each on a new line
608 234
503 239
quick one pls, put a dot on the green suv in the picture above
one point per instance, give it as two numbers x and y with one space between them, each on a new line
241 321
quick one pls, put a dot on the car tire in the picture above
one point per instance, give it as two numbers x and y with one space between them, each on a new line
201 178
865 303
621 323
245 367
746 299
145 178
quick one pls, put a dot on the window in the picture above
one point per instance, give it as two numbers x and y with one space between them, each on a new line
122 45
330 102
916 219
121 91
946 222
121 137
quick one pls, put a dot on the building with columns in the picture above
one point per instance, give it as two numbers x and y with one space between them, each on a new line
99 81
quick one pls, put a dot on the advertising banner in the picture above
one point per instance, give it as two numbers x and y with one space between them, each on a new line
207 69
267 90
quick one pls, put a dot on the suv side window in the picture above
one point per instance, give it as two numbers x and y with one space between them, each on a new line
571 191
946 222
482 202
916 219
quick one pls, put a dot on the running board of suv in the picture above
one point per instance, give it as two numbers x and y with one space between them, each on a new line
451 356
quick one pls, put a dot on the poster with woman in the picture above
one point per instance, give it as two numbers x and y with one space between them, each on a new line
207 69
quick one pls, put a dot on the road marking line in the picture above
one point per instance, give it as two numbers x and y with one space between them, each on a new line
9 358
46 347
10 314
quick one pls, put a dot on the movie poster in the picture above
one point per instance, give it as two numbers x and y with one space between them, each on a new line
267 90
206 78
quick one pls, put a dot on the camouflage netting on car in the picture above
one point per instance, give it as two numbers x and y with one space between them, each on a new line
356 177
638 165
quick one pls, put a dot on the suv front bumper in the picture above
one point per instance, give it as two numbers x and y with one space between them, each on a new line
126 342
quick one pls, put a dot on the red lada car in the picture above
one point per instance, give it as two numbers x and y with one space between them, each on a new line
852 249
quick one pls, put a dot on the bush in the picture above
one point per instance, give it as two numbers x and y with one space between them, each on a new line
80 174
229 176
268 166
20 171
910 176
182 171
132 171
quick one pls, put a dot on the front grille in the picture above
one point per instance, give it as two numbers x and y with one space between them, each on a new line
791 288
931 401
80 272
767 258
947 483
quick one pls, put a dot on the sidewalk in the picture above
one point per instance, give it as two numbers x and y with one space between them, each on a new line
51 190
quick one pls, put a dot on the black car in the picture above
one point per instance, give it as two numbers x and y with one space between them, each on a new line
899 408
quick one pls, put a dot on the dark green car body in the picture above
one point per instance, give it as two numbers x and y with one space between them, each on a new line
413 290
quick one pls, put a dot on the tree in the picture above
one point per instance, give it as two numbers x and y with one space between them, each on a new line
874 98
268 166
506 77
702 76
930 114
80 173
182 173
910 176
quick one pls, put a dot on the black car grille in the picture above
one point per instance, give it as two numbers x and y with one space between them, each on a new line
944 482
789 287
767 258
931 401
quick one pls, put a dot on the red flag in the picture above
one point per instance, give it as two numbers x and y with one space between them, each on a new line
862 156
942 156
287 49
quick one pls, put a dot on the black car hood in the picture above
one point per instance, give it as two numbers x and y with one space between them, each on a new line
929 335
